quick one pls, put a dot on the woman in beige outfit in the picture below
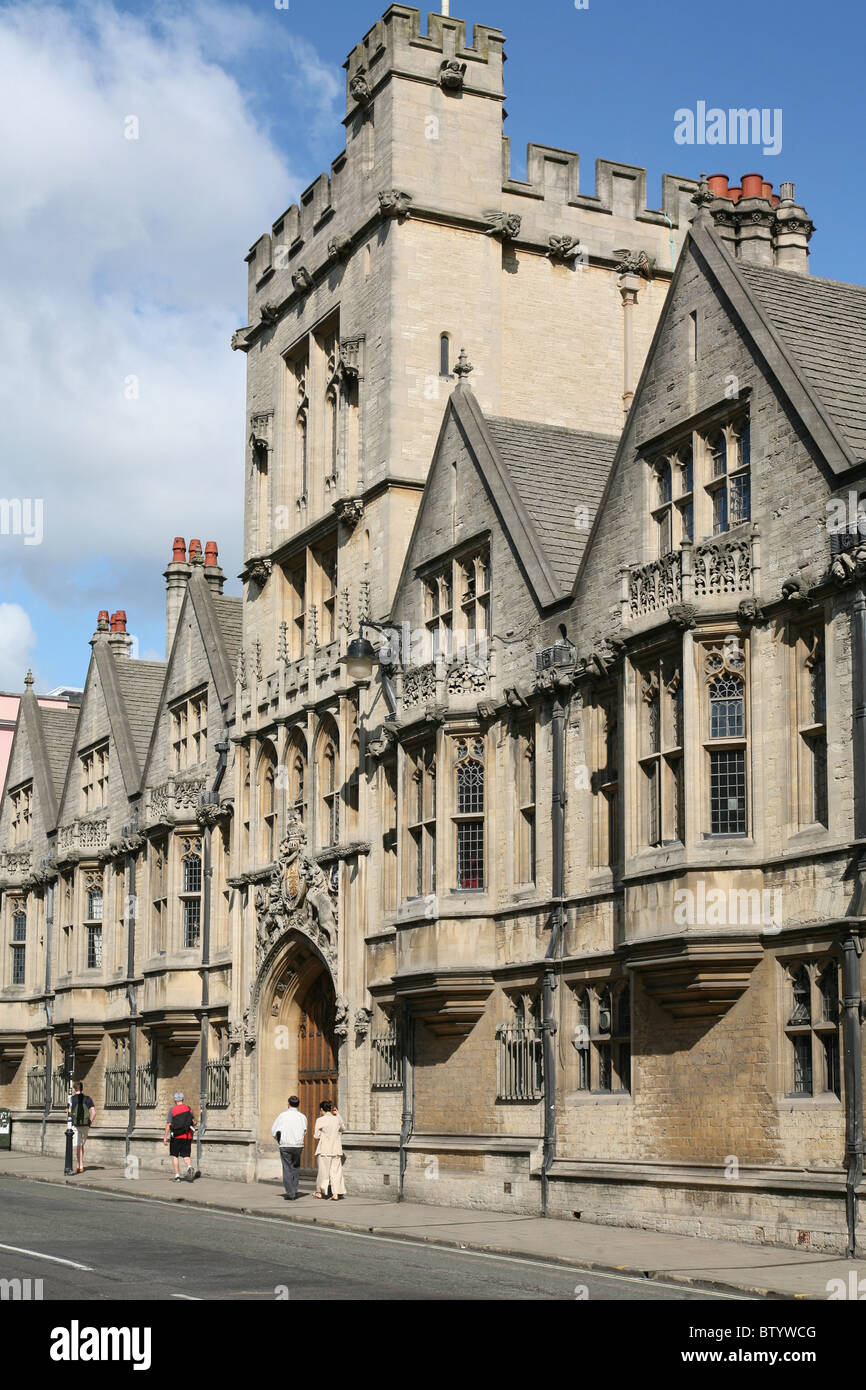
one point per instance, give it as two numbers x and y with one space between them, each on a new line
329 1152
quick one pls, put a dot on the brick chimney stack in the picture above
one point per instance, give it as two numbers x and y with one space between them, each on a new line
760 226
118 638
177 576
212 572
101 626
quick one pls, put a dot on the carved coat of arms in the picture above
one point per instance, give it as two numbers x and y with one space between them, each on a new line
298 897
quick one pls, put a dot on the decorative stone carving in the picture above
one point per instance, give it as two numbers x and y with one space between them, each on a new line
749 611
297 897
564 248
257 664
656 585
606 653
359 87
188 794
463 367
703 194
381 744
270 314
635 263
363 1019
466 678
683 615
394 203
339 248
505 225
419 684
351 357
242 1033
241 673
341 1016
796 589
722 567
302 280
350 511
239 340
452 74
258 570
210 813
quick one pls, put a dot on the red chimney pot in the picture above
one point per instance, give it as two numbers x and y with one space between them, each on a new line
734 193
179 551
752 185
211 554
718 185
766 190
194 548
118 620
775 200
102 618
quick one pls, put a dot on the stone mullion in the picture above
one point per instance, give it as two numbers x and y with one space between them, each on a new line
694 758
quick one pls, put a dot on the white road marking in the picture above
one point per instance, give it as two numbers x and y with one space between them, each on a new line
55 1259
190 1297
549 1266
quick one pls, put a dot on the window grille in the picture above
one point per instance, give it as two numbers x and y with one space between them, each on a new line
387 1058
37 1080
117 1087
520 1057
218 1083
145 1078
728 792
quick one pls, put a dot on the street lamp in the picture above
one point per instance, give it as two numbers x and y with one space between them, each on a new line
361 659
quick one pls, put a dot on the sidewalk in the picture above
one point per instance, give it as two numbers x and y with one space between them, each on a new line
687 1260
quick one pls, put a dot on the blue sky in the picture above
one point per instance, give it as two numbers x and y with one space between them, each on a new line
122 274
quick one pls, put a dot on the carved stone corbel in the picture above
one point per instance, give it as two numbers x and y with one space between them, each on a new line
452 74
394 203
302 280
505 225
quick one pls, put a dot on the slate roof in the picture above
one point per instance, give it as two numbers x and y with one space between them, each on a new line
229 614
141 685
823 325
58 727
555 470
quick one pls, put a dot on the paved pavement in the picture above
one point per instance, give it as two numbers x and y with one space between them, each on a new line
686 1261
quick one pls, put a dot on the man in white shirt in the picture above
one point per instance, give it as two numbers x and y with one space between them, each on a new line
289 1129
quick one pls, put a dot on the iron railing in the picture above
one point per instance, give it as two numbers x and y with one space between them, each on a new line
218 1084
37 1081
387 1059
59 1089
145 1089
117 1088
520 1055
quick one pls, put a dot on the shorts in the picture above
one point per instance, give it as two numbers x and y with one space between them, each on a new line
79 1135
180 1148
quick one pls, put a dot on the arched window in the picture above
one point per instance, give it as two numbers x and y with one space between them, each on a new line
94 905
267 804
245 807
190 896
297 768
469 815
329 795
19 945
726 707
444 355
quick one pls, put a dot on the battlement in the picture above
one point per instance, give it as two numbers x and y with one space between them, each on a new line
620 189
395 46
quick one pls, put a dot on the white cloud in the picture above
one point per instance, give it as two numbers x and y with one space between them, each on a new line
123 276
17 640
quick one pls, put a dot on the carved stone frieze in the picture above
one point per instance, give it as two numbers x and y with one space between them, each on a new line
419 684
466 678
656 585
722 567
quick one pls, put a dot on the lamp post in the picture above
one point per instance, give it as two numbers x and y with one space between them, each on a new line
361 658
70 1068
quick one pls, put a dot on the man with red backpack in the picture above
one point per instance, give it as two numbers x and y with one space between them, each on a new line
179 1127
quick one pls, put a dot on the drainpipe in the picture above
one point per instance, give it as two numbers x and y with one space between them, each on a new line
131 911
852 944
407 1123
49 1011
549 981
852 1017
207 877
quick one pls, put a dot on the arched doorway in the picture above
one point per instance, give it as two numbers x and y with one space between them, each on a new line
317 1056
296 1050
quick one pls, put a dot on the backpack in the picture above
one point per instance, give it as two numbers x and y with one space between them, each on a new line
80 1112
181 1123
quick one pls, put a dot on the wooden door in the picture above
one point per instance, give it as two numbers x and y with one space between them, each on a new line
317 1059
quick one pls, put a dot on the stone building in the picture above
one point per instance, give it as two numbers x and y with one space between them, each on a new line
550 891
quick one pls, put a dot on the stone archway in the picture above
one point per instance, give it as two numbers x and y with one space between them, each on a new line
295 1044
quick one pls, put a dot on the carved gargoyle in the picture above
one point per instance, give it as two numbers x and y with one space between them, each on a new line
451 75
394 203
359 87
635 263
683 615
505 225
796 589
302 280
270 313
565 248
339 248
